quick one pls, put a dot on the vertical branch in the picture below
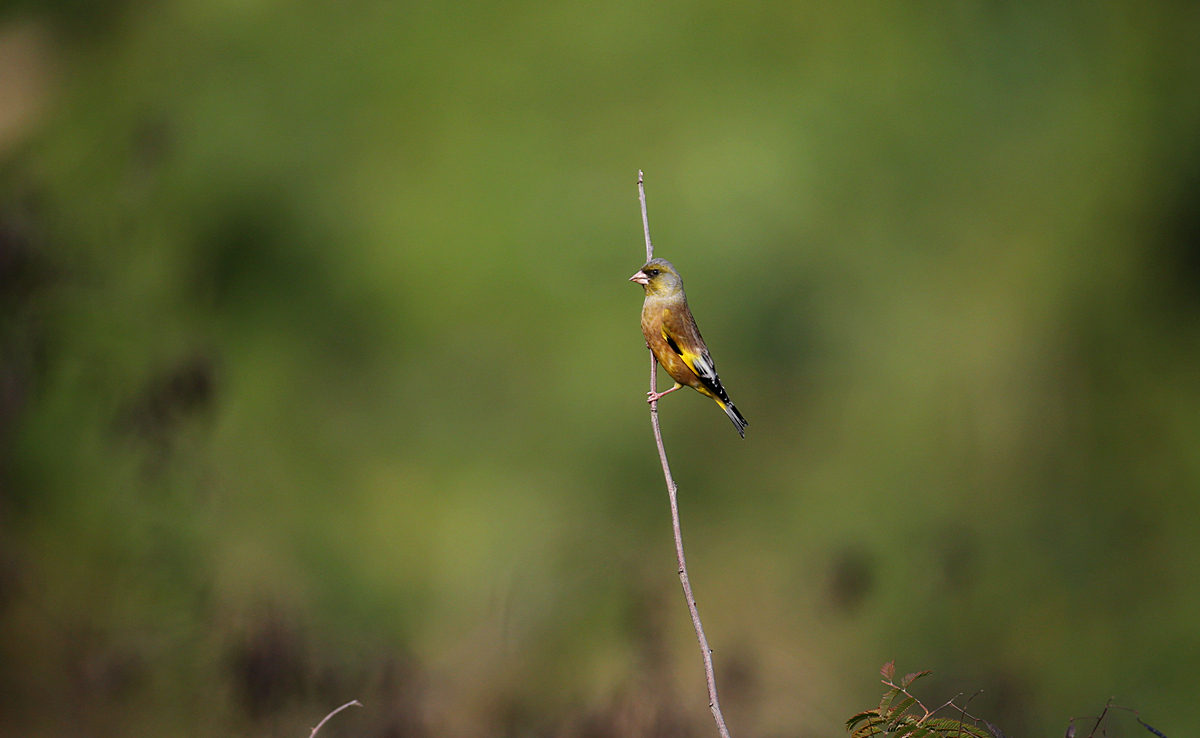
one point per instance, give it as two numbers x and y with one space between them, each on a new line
645 219
672 492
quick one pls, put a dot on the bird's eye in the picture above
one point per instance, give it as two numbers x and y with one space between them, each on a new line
653 272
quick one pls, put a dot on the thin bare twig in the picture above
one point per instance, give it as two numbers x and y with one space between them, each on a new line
963 714
1101 718
645 218
672 492
1137 715
930 713
326 718
936 710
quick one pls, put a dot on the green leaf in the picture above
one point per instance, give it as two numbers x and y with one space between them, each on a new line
870 729
947 726
920 732
897 711
956 728
965 729
887 699
888 671
910 678
902 724
864 715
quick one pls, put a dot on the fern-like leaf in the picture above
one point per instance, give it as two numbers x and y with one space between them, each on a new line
887 699
910 678
873 727
955 728
976 731
939 733
888 671
864 715
897 711
918 731
902 724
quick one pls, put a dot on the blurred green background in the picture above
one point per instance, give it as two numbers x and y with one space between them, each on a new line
322 379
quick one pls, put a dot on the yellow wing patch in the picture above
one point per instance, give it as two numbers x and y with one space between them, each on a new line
689 357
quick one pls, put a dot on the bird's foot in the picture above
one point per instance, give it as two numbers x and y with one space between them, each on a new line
655 396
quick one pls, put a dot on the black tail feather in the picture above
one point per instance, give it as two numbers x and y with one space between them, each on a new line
738 421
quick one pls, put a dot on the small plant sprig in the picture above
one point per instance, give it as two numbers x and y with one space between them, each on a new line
901 715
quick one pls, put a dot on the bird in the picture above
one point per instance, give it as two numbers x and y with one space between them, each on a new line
671 334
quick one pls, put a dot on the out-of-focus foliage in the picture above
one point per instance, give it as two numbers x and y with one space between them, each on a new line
321 378
902 715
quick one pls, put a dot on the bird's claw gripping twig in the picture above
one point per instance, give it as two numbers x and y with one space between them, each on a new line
653 396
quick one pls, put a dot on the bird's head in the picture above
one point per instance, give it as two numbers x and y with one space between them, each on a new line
658 277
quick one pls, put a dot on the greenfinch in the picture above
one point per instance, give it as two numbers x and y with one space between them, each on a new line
672 335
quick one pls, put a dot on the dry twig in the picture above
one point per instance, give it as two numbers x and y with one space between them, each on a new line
326 718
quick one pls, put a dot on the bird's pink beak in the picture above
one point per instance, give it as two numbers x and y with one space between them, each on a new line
640 278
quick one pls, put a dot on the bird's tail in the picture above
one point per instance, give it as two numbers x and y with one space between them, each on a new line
738 421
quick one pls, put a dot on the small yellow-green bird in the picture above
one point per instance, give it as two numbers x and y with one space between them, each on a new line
672 335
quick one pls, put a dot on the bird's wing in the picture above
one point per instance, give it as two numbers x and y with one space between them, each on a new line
680 332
